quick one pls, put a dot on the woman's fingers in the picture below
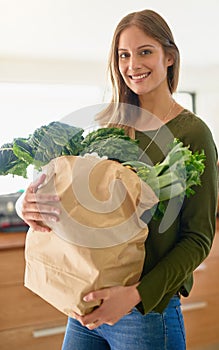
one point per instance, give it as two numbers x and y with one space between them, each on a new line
33 196
37 207
44 198
116 302
40 213
41 216
35 225
38 210
38 199
36 184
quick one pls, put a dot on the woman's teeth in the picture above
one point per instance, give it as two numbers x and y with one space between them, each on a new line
136 77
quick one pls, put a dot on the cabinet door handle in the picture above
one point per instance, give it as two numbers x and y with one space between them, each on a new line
45 332
194 306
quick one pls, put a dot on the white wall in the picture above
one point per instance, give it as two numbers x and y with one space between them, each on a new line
35 92
203 80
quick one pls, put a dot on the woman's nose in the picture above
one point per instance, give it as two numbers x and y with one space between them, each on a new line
134 63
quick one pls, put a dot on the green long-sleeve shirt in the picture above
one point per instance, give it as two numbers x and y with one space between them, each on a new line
182 239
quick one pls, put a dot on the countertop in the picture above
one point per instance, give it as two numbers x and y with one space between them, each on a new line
12 240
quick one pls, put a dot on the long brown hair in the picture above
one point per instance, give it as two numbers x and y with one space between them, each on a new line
156 27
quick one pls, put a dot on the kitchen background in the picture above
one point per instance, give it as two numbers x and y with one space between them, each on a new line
53 57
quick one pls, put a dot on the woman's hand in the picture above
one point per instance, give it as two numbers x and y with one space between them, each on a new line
35 208
116 302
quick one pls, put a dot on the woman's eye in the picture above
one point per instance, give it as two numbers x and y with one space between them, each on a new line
123 55
145 52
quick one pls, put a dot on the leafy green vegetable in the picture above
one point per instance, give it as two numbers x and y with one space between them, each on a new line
57 139
23 151
10 163
47 142
111 142
175 175
103 133
54 140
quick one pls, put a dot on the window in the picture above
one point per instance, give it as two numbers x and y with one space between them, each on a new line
25 107
187 99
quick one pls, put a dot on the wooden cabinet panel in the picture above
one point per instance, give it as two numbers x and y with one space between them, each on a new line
20 307
11 266
27 322
201 308
29 338
206 278
201 323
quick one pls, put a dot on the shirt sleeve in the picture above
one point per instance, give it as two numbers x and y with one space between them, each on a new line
18 205
197 220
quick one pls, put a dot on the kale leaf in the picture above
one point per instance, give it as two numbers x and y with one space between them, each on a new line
111 142
47 142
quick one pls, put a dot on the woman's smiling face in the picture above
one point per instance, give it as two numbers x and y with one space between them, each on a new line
142 62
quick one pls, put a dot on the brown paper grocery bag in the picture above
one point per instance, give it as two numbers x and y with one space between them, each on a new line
99 240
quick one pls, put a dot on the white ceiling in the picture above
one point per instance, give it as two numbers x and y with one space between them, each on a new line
82 29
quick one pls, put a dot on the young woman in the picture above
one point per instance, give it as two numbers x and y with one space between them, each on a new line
144 69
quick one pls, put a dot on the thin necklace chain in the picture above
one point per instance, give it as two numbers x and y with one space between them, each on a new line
155 135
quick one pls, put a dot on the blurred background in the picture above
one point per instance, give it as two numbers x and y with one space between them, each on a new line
53 57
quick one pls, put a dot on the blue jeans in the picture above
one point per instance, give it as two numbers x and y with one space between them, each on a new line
153 331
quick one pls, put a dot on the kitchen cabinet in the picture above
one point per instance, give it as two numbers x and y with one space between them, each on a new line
201 308
27 322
